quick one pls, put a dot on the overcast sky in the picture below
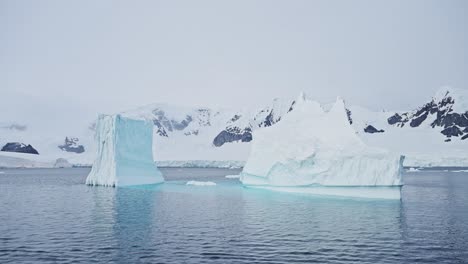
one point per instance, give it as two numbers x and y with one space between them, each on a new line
104 56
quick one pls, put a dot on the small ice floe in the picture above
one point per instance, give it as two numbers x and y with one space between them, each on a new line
201 183
2 172
413 169
233 176
452 171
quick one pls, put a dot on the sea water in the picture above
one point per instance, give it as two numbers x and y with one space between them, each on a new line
51 216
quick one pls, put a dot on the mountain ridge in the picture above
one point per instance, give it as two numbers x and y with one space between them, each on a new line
202 133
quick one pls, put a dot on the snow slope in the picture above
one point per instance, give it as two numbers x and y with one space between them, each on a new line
420 134
124 155
21 160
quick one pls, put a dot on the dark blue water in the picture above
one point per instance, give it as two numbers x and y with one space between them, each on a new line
50 216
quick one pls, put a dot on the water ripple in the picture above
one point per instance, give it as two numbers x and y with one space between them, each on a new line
49 216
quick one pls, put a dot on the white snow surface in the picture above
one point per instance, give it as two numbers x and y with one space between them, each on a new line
22 160
124 154
311 146
201 183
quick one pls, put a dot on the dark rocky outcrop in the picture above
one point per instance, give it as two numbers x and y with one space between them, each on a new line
452 131
235 132
235 118
71 145
164 125
418 120
395 119
348 114
19 147
268 120
231 135
371 130
453 124
292 106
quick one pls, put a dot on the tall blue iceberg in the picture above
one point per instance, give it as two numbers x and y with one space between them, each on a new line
124 153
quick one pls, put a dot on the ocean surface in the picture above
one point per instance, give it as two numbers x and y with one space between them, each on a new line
50 216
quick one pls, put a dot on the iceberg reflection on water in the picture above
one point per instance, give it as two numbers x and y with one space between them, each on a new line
365 192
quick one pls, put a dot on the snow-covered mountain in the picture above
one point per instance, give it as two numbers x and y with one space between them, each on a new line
433 134
183 133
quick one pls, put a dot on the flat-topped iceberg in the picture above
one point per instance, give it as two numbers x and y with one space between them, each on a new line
312 148
124 155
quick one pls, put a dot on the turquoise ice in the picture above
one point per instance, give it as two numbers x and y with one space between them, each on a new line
124 153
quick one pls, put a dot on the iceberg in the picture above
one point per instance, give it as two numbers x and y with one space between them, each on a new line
318 152
201 183
124 153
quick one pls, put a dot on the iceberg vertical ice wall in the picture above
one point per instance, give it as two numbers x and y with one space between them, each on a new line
125 154
312 148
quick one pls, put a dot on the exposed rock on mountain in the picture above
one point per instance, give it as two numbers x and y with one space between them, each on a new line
240 127
446 111
19 147
232 134
348 114
71 145
370 129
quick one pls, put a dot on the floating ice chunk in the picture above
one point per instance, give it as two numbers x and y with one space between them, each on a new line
201 183
125 154
314 147
413 169
233 176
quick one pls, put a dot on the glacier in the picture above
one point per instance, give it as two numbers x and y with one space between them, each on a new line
222 164
312 148
124 153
